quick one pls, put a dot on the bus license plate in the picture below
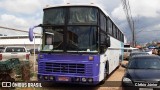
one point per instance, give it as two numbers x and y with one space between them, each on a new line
63 79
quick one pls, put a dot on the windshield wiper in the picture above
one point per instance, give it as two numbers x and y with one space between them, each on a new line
74 47
46 25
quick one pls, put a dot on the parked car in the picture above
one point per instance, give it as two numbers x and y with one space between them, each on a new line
142 73
127 52
19 52
137 53
32 51
148 51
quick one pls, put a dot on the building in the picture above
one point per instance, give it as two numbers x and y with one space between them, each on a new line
20 40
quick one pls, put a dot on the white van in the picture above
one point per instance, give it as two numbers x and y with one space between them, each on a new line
127 52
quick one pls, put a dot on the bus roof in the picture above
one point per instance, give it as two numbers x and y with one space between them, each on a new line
67 5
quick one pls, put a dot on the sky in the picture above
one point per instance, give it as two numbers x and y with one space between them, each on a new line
22 14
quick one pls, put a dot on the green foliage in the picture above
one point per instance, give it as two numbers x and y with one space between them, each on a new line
9 64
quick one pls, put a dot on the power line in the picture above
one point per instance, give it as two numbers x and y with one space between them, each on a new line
127 10
16 30
149 31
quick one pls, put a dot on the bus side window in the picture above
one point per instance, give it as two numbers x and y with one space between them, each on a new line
102 43
49 39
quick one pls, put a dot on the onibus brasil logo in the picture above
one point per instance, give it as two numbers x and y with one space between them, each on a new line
21 84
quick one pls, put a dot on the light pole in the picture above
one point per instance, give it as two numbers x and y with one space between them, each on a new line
31 37
34 54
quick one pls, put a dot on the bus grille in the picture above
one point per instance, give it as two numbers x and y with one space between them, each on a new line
68 68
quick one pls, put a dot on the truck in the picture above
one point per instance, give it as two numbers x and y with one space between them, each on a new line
9 59
127 51
14 52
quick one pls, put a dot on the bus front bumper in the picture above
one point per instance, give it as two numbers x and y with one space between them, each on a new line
90 80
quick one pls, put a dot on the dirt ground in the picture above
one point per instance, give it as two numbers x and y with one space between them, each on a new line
115 78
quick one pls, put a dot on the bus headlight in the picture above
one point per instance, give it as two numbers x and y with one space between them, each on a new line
45 77
51 78
40 56
84 79
90 80
90 58
77 79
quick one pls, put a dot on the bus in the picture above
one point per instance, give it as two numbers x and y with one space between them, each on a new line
80 44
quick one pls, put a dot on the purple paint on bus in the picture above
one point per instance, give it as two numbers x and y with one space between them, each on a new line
69 67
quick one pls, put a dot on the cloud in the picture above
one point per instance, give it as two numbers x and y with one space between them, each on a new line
157 26
118 13
21 6
28 7
11 20
142 8
21 14
146 16
145 8
148 33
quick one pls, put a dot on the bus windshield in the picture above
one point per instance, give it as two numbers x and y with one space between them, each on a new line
81 38
76 16
54 16
82 15
72 29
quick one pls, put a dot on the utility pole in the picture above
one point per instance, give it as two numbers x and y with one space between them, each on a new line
133 33
127 11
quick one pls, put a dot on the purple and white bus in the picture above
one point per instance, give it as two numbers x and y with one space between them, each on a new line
80 44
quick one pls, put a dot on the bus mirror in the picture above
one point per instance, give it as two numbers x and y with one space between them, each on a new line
30 34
